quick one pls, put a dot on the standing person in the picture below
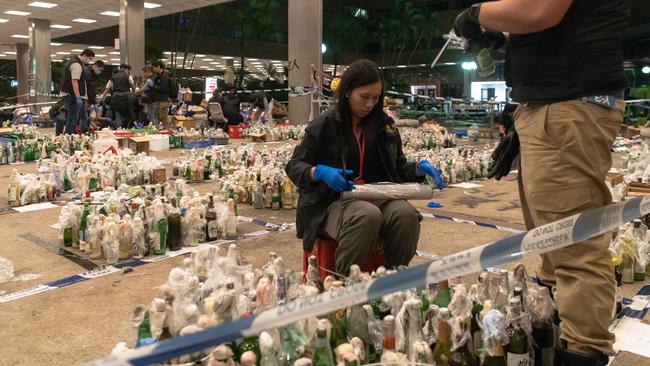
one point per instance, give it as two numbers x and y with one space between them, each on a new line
564 62
356 139
160 91
92 72
145 95
121 86
73 91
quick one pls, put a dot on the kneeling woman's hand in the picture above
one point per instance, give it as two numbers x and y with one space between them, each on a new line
333 178
425 167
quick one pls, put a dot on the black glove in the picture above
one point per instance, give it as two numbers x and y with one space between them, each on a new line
496 39
466 27
503 156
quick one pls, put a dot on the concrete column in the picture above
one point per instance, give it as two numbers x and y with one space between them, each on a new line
40 65
132 34
305 39
22 71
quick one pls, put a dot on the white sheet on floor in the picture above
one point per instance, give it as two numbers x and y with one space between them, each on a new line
632 336
35 207
465 185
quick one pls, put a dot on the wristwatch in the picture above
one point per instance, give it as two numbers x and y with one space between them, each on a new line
473 13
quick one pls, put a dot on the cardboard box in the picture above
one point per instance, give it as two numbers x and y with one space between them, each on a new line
187 124
139 144
159 176
614 178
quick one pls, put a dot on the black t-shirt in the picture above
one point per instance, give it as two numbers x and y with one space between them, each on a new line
581 56
373 171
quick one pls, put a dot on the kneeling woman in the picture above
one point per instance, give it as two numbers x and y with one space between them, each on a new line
354 143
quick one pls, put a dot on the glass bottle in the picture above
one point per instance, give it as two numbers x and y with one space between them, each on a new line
493 337
83 225
268 195
322 352
443 345
174 228
388 339
14 190
517 354
638 233
287 196
275 198
443 296
463 355
144 332
212 226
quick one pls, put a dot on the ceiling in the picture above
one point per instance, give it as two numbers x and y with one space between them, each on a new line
66 11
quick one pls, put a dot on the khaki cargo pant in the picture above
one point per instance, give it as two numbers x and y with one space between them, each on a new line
357 225
565 156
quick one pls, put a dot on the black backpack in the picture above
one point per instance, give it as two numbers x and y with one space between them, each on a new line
173 88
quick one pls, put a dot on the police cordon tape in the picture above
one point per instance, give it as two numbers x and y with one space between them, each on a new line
555 235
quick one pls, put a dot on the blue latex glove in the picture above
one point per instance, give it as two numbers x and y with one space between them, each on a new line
80 103
333 178
425 167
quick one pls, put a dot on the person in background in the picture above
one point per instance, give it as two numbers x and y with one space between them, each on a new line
92 72
564 62
58 116
355 142
217 97
160 91
145 95
121 87
231 108
73 91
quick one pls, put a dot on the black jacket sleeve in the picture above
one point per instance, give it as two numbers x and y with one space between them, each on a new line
304 158
161 83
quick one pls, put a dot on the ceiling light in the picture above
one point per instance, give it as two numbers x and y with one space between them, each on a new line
53 55
40 4
98 55
4 20
110 13
10 52
16 12
214 63
114 53
401 66
19 36
180 57
199 55
253 59
208 59
97 47
205 67
115 59
151 5
60 26
84 20
63 53
227 57
57 60
3 55
645 69
77 50
56 44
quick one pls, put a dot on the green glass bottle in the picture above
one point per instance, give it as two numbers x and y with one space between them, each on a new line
517 348
231 194
443 346
443 297
83 225
496 359
144 332
494 324
322 352
249 344
160 247
66 181
174 228
67 237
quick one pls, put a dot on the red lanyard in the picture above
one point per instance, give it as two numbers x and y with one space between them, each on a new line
361 145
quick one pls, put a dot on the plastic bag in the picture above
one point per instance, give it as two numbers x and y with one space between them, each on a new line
411 191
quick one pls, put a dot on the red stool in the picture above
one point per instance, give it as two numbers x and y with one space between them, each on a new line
325 249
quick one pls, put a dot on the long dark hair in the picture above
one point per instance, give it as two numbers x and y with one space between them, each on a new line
360 73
